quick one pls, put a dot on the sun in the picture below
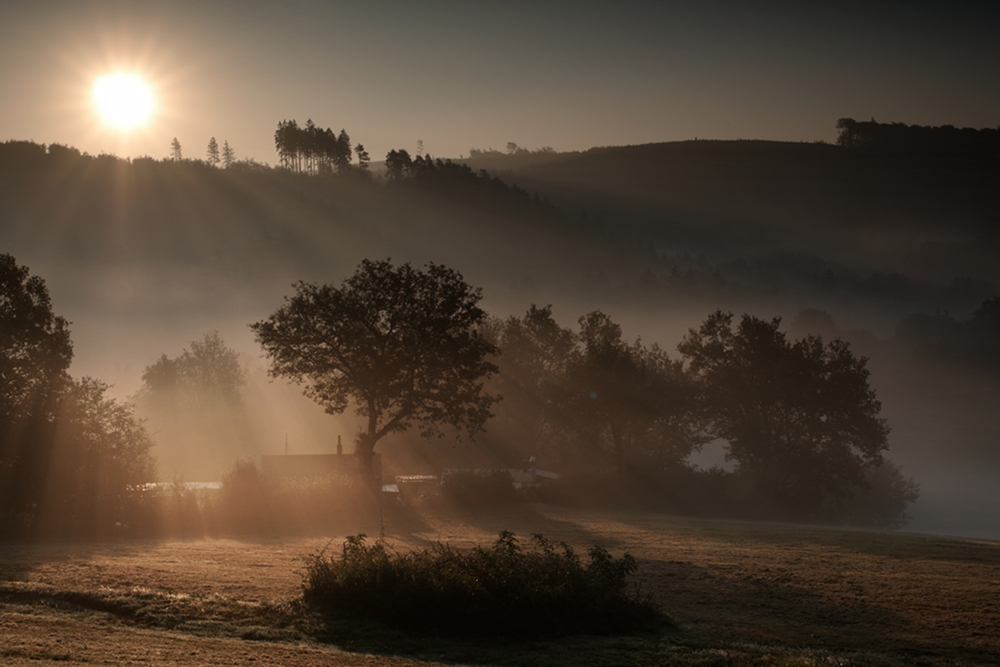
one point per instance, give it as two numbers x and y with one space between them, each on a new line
123 100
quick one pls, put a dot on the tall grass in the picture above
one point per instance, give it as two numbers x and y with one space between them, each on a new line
502 589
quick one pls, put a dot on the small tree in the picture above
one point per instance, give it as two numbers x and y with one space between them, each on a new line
213 152
363 158
228 155
175 150
401 343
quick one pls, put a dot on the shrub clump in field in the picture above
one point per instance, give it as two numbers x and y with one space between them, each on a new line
502 589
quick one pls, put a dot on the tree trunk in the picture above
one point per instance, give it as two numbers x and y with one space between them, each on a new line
364 449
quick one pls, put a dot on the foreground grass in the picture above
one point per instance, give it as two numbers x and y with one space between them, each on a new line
741 594
214 618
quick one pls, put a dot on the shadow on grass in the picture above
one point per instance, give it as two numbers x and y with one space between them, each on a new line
369 637
521 518
716 606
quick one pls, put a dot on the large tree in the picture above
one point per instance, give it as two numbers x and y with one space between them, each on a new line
194 407
35 347
207 374
799 417
402 344
537 354
634 397
71 459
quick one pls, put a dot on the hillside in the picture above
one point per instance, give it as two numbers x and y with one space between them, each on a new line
929 217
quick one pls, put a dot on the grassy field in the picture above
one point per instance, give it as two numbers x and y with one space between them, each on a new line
737 594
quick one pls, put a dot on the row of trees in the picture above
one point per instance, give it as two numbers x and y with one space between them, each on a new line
71 460
214 156
313 150
409 347
798 418
974 343
412 348
512 149
902 137
400 165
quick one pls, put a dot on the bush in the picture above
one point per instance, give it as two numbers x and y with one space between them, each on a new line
246 499
497 590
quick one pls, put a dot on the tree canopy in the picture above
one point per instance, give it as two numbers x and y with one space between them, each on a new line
313 150
71 459
209 372
35 346
589 398
194 406
800 417
402 344
643 400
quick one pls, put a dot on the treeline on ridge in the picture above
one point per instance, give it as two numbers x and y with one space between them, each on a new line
903 138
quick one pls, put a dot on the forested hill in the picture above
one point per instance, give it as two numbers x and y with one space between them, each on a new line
931 214
262 225
722 223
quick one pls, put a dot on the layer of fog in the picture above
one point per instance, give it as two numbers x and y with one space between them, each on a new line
146 273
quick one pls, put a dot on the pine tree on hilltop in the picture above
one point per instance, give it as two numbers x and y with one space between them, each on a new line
213 152
228 155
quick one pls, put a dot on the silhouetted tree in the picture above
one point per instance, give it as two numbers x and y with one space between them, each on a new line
402 344
799 417
311 149
633 396
363 158
175 150
342 154
212 153
228 155
398 164
536 356
286 143
35 347
98 458
68 456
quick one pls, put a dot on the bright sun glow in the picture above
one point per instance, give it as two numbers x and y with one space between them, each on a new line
124 100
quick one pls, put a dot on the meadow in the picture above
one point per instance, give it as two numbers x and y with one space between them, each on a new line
736 593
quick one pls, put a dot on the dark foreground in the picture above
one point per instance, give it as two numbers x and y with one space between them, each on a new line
738 593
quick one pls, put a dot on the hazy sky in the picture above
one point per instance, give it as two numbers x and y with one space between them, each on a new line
570 75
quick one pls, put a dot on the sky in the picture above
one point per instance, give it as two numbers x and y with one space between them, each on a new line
461 75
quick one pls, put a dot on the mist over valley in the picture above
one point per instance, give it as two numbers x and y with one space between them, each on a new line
889 247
